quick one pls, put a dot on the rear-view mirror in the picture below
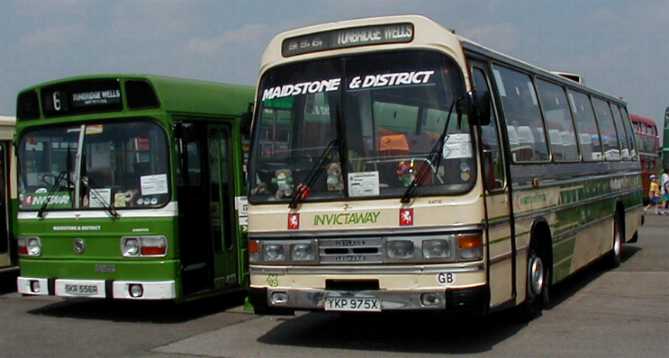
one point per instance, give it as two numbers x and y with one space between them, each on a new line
476 106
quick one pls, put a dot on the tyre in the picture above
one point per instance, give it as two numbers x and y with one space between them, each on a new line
613 257
537 284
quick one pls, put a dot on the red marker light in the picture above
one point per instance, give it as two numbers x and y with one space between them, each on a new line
152 250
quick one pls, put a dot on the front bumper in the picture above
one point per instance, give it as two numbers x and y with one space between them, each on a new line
151 290
471 299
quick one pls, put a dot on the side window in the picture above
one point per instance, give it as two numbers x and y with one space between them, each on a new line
493 166
521 111
622 135
558 121
586 127
607 129
630 133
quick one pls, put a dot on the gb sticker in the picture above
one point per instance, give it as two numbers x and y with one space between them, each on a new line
446 278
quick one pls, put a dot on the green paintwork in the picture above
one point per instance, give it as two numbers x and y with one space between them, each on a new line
179 99
591 200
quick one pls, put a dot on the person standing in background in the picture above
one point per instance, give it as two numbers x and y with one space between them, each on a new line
664 180
653 195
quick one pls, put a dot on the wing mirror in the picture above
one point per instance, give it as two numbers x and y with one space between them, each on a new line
476 106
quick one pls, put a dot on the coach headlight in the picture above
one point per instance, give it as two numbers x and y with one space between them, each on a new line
303 251
437 249
273 252
400 249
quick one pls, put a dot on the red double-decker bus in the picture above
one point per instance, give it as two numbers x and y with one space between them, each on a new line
648 145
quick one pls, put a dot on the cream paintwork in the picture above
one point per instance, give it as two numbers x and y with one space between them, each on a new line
466 209
7 125
427 34
387 281
428 212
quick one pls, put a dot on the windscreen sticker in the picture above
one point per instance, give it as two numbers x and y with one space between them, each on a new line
301 88
391 79
363 184
242 205
153 184
457 146
37 199
99 198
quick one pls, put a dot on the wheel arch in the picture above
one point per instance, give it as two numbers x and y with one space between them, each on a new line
542 239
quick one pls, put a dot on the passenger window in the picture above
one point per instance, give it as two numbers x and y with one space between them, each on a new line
558 121
620 129
630 133
586 127
607 130
521 110
493 167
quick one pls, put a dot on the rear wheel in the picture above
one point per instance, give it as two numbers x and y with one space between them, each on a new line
614 256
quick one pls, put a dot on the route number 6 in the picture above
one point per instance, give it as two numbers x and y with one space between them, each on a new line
57 105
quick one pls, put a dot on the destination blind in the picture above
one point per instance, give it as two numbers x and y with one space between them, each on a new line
81 97
358 36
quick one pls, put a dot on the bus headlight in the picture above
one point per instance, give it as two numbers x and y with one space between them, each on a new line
400 249
302 252
436 249
34 246
144 246
130 247
273 252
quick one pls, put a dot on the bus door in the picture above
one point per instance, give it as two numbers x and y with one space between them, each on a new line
5 255
499 221
195 244
221 205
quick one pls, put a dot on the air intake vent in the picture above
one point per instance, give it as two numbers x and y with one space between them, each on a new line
140 94
27 106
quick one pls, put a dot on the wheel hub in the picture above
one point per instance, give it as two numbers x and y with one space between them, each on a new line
536 275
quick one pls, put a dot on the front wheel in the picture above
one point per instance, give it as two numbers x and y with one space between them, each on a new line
538 281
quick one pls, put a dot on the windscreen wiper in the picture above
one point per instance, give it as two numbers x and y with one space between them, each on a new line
434 156
107 206
55 186
302 190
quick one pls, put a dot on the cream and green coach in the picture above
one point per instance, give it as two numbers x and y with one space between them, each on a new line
398 166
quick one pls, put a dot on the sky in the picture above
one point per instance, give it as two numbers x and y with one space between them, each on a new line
620 47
